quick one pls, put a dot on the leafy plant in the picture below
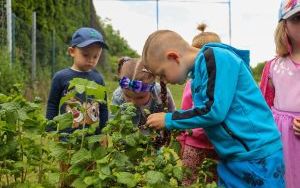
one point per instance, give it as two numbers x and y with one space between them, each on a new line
122 156
21 139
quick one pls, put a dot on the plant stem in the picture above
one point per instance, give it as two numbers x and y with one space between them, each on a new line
6 175
83 126
40 171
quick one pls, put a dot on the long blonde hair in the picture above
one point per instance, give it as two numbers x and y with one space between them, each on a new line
282 40
204 37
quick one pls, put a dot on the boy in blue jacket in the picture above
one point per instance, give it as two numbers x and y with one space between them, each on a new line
228 105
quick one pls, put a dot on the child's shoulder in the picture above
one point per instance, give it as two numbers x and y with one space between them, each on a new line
97 76
97 73
62 73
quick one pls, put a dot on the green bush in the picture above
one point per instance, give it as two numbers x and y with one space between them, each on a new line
10 74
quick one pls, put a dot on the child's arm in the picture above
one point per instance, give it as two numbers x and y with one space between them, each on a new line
54 98
221 75
103 116
103 110
266 84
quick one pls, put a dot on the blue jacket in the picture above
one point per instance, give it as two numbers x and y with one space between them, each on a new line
228 105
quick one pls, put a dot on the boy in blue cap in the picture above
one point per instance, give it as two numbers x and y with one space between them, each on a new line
85 49
227 104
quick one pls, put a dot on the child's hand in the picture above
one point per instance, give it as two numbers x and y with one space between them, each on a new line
296 126
156 121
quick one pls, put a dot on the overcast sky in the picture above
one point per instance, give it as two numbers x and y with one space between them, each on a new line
252 23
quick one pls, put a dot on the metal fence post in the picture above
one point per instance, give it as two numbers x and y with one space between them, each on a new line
9 29
33 65
53 54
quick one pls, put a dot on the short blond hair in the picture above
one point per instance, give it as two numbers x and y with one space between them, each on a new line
158 42
204 37
281 39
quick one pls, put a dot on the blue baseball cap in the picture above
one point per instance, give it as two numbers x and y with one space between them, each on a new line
86 36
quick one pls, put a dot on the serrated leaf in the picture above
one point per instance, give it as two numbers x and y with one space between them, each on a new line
80 89
53 178
104 160
154 177
106 170
81 156
64 120
121 160
126 178
114 108
173 182
99 92
79 183
22 114
90 180
57 150
70 95
177 172
99 153
11 117
3 98
94 138
129 139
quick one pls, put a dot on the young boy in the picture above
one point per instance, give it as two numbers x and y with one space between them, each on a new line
228 105
86 48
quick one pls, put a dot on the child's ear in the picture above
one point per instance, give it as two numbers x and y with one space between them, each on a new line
71 51
172 55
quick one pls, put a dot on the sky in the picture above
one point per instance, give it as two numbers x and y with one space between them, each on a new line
252 22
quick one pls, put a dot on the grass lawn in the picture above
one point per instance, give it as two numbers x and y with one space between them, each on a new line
176 91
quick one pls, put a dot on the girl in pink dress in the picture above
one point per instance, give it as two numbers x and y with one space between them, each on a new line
280 86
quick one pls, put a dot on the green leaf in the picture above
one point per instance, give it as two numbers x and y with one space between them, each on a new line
177 172
104 160
64 120
106 170
126 178
80 88
53 178
114 108
3 98
70 95
11 117
57 150
90 180
21 164
173 182
77 81
79 183
154 177
94 139
121 160
9 148
129 139
81 156
99 92
99 153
